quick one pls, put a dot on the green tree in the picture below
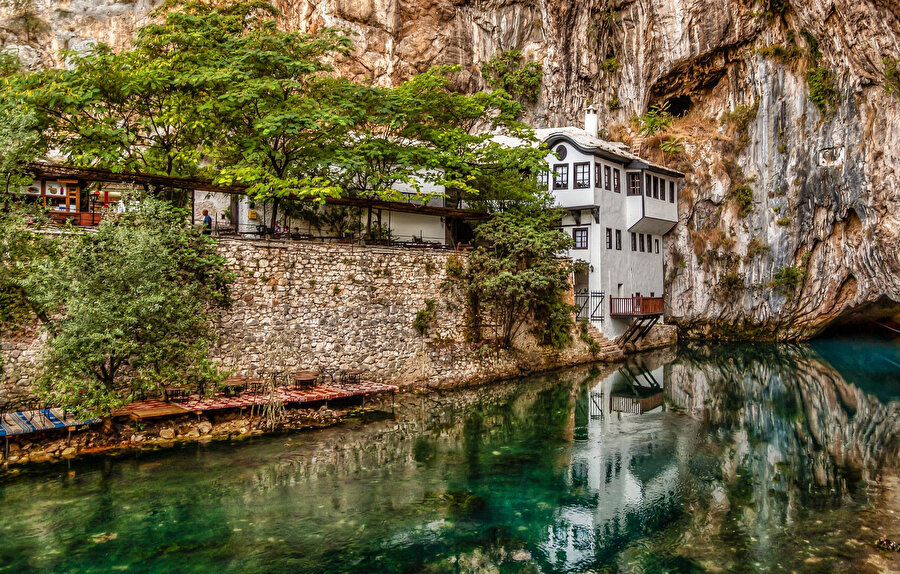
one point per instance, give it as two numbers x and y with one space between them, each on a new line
129 307
21 140
656 120
508 72
516 276
424 134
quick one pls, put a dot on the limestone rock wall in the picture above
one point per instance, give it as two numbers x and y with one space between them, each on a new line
823 187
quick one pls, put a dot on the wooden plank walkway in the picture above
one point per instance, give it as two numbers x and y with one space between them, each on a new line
154 408
26 422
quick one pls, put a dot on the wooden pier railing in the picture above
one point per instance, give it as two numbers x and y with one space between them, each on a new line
635 306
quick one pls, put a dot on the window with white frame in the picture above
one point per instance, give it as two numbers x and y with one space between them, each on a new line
609 242
618 240
607 178
617 181
656 243
543 180
671 192
598 172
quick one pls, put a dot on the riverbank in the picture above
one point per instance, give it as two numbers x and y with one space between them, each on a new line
115 435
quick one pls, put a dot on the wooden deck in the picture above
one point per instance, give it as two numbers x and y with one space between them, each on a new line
636 306
155 408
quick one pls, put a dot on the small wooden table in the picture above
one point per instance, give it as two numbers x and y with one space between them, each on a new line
234 385
304 379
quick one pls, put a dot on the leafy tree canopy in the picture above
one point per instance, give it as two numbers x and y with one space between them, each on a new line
517 278
126 307
219 89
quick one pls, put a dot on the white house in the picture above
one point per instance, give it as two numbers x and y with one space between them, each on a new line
619 207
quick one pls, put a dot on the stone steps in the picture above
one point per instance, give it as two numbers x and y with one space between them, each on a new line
609 350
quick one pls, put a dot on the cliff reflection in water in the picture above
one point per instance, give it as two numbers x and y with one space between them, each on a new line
733 458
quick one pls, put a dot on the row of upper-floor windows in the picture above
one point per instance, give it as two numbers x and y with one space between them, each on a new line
605 177
610 179
640 242
655 187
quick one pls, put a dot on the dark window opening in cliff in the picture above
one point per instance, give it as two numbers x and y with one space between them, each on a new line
679 106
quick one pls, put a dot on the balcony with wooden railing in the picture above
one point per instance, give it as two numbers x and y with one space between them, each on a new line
635 306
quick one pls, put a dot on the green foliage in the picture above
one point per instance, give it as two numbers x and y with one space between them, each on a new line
822 90
672 146
585 336
509 73
781 52
787 279
128 307
772 8
610 65
731 284
742 196
656 120
20 143
456 267
23 252
739 120
783 221
812 47
515 277
218 89
425 317
755 247
892 76
614 104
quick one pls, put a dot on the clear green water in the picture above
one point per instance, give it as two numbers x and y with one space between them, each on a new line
759 459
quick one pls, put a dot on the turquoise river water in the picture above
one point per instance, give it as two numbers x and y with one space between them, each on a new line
724 459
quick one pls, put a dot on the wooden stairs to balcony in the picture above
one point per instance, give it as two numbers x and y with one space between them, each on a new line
609 350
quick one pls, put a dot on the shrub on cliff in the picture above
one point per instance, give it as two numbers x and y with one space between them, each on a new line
892 76
508 72
515 277
127 307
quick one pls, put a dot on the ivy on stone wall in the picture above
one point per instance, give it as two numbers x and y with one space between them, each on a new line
514 278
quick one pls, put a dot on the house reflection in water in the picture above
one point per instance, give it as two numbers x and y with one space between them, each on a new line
625 467
633 389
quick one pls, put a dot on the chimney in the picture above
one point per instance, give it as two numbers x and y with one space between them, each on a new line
590 120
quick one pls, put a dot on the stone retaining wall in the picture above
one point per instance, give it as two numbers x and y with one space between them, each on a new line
330 307
327 307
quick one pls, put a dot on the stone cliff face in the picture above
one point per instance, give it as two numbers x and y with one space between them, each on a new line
790 214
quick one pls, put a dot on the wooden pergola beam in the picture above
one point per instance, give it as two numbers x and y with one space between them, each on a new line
57 171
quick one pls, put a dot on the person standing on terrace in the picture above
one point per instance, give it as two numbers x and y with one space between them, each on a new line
207 223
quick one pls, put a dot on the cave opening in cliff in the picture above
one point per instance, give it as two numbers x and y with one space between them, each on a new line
680 105
878 320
